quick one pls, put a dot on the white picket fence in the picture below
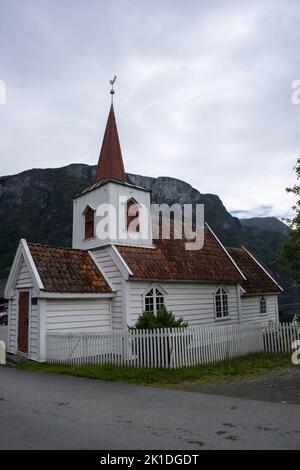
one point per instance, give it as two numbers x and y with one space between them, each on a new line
168 348
278 337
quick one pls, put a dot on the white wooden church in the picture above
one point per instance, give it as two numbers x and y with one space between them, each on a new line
102 284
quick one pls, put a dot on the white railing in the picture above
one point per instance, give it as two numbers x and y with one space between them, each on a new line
168 348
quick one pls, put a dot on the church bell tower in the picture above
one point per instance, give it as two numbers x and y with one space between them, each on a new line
111 210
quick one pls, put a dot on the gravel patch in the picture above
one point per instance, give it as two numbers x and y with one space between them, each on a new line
281 386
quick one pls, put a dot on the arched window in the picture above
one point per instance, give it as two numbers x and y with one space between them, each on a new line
132 215
262 306
89 223
221 303
154 300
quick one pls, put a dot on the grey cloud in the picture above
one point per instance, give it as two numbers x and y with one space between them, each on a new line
203 91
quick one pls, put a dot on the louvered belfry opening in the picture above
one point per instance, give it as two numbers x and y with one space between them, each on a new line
89 223
132 214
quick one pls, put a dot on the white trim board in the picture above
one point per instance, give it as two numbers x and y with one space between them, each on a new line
121 259
74 295
101 270
32 265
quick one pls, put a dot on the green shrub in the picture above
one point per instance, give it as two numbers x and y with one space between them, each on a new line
163 319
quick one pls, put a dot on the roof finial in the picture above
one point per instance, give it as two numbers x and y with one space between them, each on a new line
112 91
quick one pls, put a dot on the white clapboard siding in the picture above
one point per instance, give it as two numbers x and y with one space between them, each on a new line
12 340
80 314
192 301
171 348
250 309
24 278
23 281
107 265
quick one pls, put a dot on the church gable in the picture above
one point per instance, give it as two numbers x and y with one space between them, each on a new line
23 273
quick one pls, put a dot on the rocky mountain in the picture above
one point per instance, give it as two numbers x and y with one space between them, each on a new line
37 205
272 224
261 235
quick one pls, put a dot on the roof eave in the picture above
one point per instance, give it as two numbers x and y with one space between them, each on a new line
198 281
76 295
255 294
100 184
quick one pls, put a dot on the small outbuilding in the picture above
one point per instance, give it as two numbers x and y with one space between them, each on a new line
53 289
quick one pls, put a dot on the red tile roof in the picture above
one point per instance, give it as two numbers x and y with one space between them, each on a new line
65 270
110 165
258 281
171 261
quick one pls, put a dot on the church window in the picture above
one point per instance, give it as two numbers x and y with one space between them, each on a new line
154 300
262 306
221 303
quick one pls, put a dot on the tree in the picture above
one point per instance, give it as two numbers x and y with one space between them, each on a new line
160 345
288 260
163 319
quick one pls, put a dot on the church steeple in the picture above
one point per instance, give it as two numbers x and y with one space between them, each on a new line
93 225
110 165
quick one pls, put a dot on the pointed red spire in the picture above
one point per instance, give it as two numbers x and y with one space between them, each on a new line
110 165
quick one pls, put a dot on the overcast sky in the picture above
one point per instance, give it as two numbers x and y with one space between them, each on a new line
203 92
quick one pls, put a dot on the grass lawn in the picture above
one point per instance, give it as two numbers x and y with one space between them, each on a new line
234 369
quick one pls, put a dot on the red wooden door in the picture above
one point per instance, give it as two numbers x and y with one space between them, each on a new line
23 322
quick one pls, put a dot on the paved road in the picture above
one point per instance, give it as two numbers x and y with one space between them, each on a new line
40 411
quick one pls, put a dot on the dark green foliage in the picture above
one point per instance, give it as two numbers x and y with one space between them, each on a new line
289 256
288 259
163 319
271 224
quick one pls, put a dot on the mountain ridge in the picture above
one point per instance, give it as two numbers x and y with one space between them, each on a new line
273 224
36 204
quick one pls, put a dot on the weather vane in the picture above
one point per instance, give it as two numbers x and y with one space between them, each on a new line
112 91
